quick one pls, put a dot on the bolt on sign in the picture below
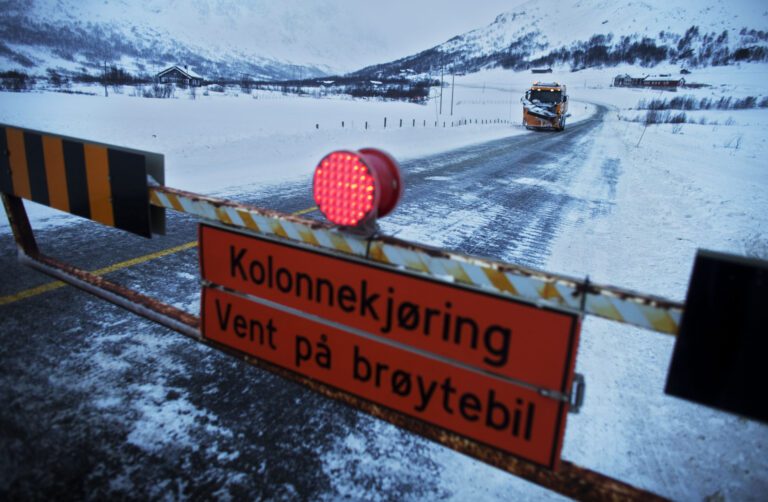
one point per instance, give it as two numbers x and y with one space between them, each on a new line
489 368
104 183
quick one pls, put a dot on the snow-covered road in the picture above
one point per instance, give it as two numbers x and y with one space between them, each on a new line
504 199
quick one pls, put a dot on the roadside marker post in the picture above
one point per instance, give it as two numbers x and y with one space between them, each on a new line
471 353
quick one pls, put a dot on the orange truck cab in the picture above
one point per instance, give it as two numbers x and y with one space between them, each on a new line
545 106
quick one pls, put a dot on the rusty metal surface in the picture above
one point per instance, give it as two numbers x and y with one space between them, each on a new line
145 306
22 230
535 286
29 254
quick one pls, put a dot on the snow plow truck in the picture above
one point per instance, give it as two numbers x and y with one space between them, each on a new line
545 106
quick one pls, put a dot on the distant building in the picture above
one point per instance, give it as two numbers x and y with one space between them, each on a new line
180 75
541 70
627 80
662 81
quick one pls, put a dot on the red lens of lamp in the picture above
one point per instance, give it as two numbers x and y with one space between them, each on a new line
344 188
353 187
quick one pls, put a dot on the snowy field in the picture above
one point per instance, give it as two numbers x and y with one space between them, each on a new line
224 143
679 188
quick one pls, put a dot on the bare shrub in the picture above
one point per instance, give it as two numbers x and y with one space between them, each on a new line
665 117
656 117
158 90
734 142
723 103
679 118
748 102
658 104
690 103
683 103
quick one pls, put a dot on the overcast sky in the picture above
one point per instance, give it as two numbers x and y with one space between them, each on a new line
346 35
410 26
343 34
350 34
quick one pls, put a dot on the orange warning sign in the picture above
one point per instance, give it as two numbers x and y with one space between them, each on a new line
490 368
497 334
506 416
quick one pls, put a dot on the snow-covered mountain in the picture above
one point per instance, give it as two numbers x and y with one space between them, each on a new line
590 33
218 38
293 39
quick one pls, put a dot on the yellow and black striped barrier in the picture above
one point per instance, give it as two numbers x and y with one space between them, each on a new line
104 183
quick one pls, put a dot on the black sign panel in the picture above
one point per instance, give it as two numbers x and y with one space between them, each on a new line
722 349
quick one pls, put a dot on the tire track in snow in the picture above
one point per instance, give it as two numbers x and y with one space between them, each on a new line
504 199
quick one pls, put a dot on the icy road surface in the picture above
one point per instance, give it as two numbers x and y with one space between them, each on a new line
98 403
503 199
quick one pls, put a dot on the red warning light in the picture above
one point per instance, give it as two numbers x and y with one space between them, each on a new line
351 187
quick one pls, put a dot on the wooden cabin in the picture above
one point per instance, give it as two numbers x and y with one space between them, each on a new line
178 74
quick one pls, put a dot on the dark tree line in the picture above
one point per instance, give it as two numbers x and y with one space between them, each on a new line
692 48
599 51
16 81
410 91
398 88
691 103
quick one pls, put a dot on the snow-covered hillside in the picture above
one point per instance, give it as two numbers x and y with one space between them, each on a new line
591 33
560 24
218 39
293 39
